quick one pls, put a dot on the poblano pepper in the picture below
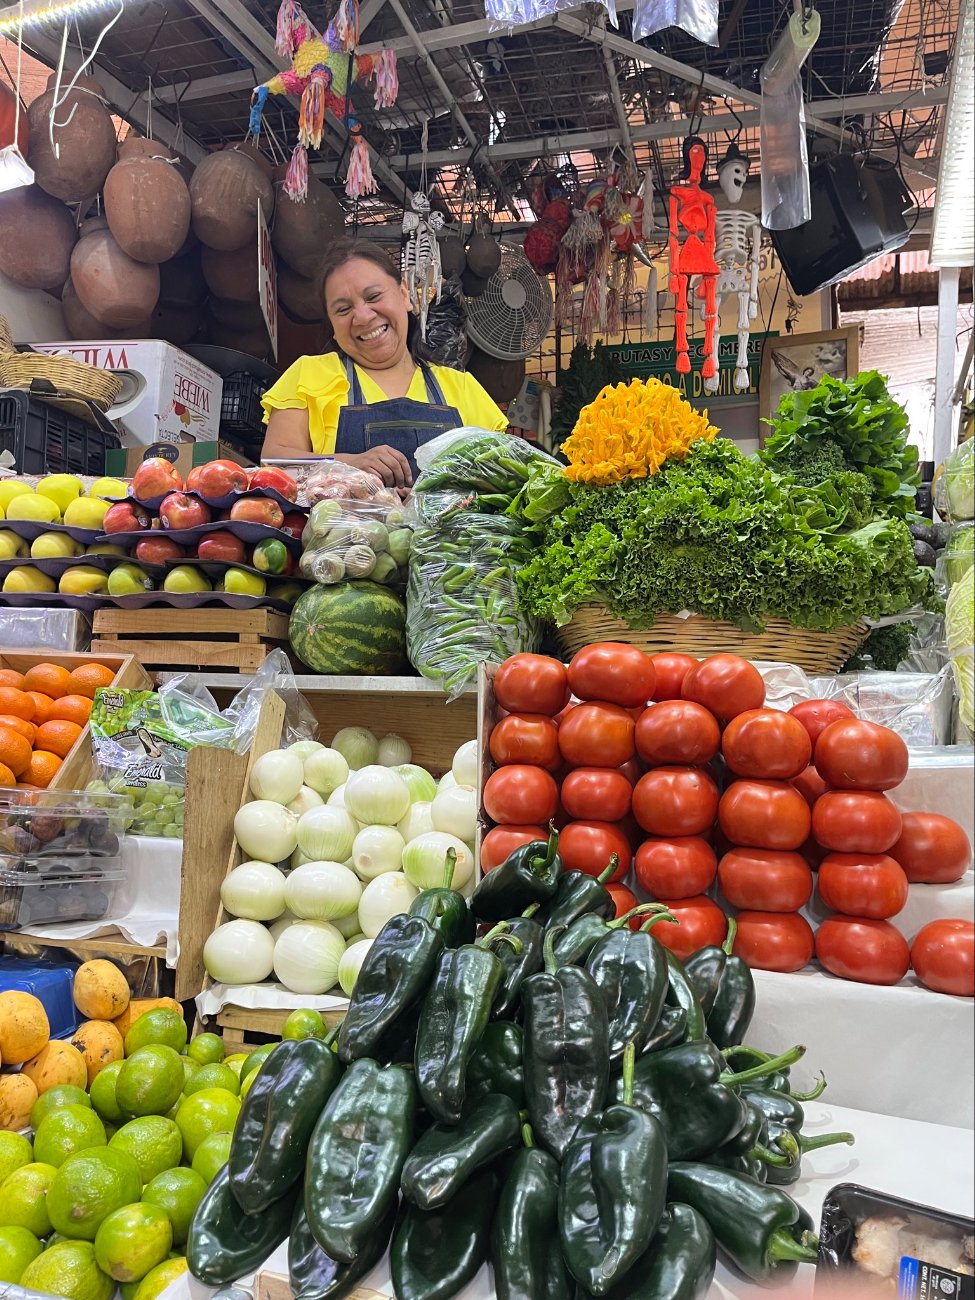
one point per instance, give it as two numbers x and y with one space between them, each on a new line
784 1118
445 910
525 1250
679 1264
447 1156
670 1029
780 1081
356 1156
517 966
224 1244
314 1275
529 875
435 1253
576 942
394 976
705 968
566 1050
578 894
733 1004
681 994
630 968
498 1063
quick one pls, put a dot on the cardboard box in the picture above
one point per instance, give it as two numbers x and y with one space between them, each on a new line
185 456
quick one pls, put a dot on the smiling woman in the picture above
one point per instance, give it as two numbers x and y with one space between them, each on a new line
368 402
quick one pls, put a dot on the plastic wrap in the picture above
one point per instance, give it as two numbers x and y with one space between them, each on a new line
493 466
445 340
954 494
957 556
357 540
915 705
513 13
699 18
45 629
785 162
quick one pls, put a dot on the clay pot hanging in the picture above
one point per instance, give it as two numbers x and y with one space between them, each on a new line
453 256
112 286
181 282
37 234
84 134
242 317
303 231
173 324
232 275
83 325
225 191
473 285
483 252
301 298
254 342
147 202
501 380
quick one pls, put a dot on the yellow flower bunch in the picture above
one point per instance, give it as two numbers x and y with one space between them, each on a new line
630 430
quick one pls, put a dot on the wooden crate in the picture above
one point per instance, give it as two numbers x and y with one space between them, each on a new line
198 639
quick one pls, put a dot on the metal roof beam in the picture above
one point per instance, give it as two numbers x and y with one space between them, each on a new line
203 87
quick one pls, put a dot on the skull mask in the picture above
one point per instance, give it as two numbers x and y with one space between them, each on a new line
732 174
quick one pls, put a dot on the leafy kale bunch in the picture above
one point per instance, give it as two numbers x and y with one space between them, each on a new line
850 434
718 533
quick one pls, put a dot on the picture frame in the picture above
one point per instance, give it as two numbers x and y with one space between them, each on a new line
792 362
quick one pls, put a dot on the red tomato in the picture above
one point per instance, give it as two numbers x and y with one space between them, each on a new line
532 684
725 684
764 815
862 884
520 795
766 880
855 755
625 901
701 924
677 868
613 671
526 738
589 846
810 784
632 770
501 841
933 850
596 793
855 821
597 735
816 715
943 956
671 801
781 941
872 952
813 853
766 743
670 671
677 731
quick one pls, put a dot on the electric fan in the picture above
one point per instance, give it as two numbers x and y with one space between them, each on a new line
511 317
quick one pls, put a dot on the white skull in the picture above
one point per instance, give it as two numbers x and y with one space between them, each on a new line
731 177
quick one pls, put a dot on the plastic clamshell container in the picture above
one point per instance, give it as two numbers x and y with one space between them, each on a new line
51 983
29 898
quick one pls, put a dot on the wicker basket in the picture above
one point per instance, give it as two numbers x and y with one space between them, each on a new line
69 377
816 652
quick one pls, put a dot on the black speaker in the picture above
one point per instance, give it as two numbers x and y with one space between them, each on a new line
859 211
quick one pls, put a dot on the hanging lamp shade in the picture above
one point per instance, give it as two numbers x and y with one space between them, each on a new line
303 231
37 234
147 202
225 191
84 149
112 286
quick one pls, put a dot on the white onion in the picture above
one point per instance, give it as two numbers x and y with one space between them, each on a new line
266 831
394 750
353 938
240 952
425 860
348 926
254 891
390 894
277 775
357 745
350 964
376 795
282 923
305 748
421 785
337 798
377 849
416 822
298 859
325 769
319 891
307 955
447 781
326 834
305 798
455 811
465 764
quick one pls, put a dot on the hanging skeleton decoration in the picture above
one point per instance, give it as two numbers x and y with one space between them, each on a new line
692 218
421 258
737 252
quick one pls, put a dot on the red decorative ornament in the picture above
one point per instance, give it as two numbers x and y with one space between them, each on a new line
8 116
626 229
692 217
542 244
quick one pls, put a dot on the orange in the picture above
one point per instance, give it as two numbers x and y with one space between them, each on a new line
26 729
6 776
70 708
14 751
19 703
87 679
57 737
42 769
50 679
10 677
42 707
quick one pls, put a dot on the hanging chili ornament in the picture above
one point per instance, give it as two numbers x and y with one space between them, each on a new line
692 218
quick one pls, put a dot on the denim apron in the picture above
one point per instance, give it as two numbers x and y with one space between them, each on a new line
398 422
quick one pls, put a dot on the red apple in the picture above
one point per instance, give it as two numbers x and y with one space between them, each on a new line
154 478
277 479
180 511
157 550
218 478
294 524
125 517
221 546
258 510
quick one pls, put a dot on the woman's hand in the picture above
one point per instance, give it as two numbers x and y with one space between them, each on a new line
389 464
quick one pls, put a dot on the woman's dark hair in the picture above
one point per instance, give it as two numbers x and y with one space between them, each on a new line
345 250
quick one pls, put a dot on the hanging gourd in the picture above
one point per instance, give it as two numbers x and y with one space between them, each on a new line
181 282
301 297
225 191
112 286
11 120
483 252
147 202
37 234
173 325
500 379
72 156
303 231
240 316
453 256
83 325
232 275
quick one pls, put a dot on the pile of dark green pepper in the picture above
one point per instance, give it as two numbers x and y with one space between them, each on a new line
554 1097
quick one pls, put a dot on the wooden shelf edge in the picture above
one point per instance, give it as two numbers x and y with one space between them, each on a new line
313 684
108 945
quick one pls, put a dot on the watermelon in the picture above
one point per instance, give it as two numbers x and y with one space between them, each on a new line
351 627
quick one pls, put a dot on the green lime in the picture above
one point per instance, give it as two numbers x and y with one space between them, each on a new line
256 1059
88 1187
102 1093
213 1076
71 1129
18 1247
150 1080
128 1289
211 1111
132 1241
248 1083
304 1023
205 1049
163 1025
236 1062
15 1152
68 1269
190 1068
62 1094
211 1155
23 1198
155 1143
158 1279
178 1192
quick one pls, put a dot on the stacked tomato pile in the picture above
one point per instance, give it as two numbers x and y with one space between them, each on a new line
673 770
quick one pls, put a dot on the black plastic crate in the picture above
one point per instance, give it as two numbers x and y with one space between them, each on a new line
43 439
241 412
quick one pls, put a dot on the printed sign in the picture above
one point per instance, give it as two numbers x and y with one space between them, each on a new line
659 361
268 280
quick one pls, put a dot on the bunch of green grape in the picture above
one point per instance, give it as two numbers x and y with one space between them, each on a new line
156 809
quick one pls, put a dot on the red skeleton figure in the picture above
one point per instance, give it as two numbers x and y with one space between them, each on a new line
692 213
